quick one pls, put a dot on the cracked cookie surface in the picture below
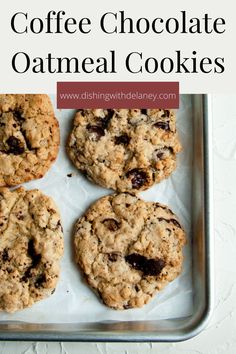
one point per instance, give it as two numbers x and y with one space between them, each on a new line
124 149
29 137
31 246
128 249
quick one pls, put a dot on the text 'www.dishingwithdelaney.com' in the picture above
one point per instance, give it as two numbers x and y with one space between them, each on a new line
117 94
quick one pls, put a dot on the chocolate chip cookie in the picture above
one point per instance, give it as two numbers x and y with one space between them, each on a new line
128 249
29 138
124 149
31 246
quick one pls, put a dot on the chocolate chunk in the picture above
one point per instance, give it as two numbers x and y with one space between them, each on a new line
166 113
162 153
144 111
103 122
35 260
59 225
15 146
20 216
162 125
18 116
98 131
123 139
111 224
26 276
138 177
5 256
81 112
173 221
147 266
113 257
110 113
35 257
159 154
40 280
176 223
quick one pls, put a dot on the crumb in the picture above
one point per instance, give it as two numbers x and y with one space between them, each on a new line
69 174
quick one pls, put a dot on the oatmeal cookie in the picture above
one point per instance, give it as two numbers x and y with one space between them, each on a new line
31 246
29 138
128 249
124 149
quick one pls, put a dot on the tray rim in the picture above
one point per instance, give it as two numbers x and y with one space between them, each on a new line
196 323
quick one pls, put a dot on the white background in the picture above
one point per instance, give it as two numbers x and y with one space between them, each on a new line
98 44
220 335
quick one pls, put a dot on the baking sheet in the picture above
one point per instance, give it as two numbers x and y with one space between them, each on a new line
73 301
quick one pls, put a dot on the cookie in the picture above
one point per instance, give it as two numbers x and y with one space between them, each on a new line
124 149
128 249
29 138
31 246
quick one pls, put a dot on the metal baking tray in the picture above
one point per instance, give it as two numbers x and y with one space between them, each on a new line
202 264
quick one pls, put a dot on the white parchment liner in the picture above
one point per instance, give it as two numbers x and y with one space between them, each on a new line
73 300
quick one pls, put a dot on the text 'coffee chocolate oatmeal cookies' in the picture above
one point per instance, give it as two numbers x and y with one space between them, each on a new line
124 149
31 246
128 249
29 138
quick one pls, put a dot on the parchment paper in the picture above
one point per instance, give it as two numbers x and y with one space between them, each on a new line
73 301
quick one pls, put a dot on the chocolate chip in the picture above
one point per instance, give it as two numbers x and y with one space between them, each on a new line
35 257
5 256
25 277
15 146
138 177
81 111
144 111
176 223
162 125
103 122
123 139
159 154
137 288
113 257
173 221
40 280
110 113
69 175
166 113
98 131
59 225
20 216
147 266
111 224
18 116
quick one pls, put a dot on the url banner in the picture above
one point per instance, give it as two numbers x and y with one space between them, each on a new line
74 95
